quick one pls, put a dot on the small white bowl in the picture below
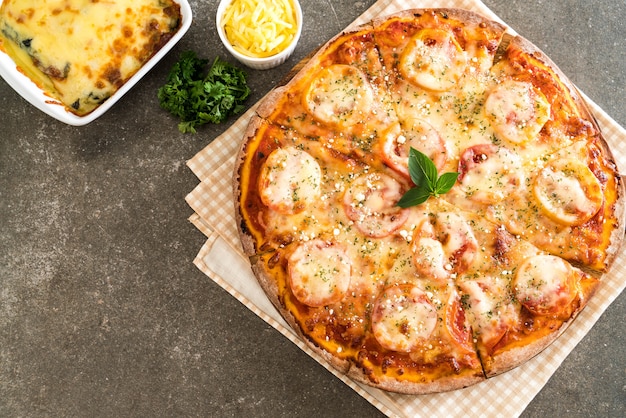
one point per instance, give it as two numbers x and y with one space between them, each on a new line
32 93
259 63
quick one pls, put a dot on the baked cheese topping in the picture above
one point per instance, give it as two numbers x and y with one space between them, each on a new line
517 110
290 180
545 284
319 273
370 202
568 192
489 173
434 60
413 133
490 309
444 246
340 95
403 318
82 51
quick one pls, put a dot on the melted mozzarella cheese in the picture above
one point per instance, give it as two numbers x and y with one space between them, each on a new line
443 245
433 60
370 202
290 180
568 192
489 308
339 95
319 273
517 111
544 284
413 133
403 318
83 51
490 173
430 259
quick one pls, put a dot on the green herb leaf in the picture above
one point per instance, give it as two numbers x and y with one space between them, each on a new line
422 170
445 183
413 197
198 98
427 182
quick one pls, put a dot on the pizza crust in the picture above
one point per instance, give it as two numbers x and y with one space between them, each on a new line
492 366
247 240
507 360
445 384
616 239
515 357
470 19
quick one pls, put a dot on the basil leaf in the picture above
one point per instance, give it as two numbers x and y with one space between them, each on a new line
427 182
445 183
414 197
415 170
422 170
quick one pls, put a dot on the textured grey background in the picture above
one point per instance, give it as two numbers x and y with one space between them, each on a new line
102 312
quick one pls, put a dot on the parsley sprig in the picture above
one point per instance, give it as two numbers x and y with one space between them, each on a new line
198 97
427 181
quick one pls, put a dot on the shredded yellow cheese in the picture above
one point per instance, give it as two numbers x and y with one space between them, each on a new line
260 28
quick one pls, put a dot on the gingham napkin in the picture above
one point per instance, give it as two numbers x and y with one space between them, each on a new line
221 258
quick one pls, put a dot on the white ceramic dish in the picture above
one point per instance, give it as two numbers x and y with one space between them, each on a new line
259 63
35 96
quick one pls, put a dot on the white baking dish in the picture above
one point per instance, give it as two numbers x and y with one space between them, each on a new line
36 96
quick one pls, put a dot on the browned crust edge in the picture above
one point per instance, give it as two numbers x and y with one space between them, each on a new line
512 358
468 17
617 238
515 357
247 240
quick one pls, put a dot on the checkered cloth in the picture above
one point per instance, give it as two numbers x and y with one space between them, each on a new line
221 258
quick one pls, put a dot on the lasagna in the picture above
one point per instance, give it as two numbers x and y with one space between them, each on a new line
81 51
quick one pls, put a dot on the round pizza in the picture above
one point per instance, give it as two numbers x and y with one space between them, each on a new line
428 202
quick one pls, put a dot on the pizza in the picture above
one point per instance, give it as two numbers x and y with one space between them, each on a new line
465 284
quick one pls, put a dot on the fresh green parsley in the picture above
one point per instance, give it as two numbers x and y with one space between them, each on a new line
198 97
427 181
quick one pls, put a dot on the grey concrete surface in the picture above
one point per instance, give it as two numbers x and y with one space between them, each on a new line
103 314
